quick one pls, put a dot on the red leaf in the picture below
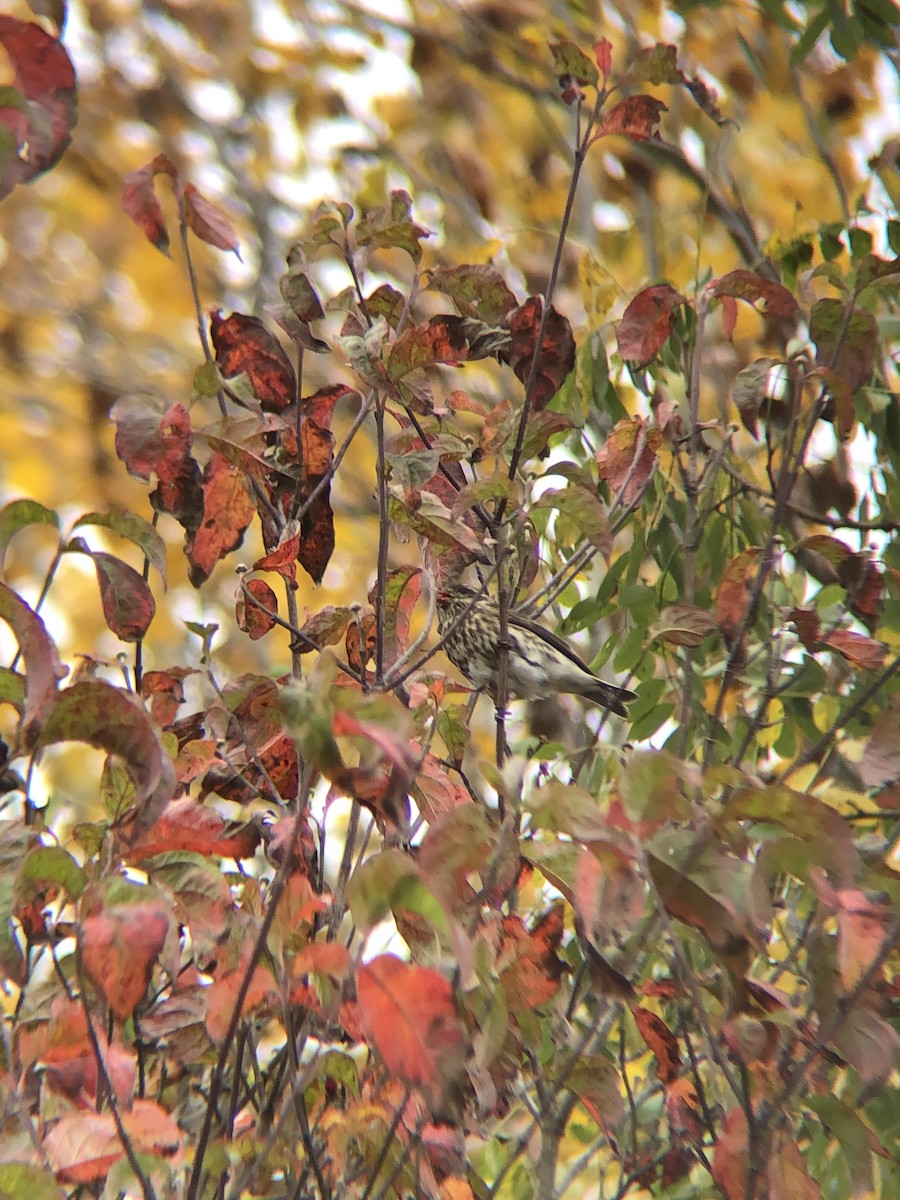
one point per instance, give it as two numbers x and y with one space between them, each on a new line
252 620
440 340
808 626
208 222
43 669
635 117
317 524
45 77
603 56
647 323
187 825
128 604
227 511
140 202
660 1039
628 457
282 560
320 406
557 358
245 346
150 441
408 1012
119 946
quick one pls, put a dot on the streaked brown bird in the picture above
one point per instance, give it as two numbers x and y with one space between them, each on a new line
539 663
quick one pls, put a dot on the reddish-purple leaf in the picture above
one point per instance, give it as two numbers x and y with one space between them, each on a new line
635 117
42 128
245 346
128 604
43 669
557 355
647 323
227 511
140 202
208 222
152 441
603 56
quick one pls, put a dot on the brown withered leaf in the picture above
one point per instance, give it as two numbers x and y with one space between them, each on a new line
635 117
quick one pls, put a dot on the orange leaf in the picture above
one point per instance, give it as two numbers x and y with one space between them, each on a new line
119 945
408 1012
661 1041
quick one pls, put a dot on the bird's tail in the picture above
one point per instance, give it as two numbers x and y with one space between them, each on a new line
613 698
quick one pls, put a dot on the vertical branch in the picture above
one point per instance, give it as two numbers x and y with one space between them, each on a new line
195 293
383 541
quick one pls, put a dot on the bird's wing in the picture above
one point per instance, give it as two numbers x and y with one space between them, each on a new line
517 621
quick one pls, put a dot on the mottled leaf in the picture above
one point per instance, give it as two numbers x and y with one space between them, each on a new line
244 346
647 323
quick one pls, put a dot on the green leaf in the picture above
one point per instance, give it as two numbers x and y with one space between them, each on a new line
391 226
17 515
48 864
18 1181
569 59
135 529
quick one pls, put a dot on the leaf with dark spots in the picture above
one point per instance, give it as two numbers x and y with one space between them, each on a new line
663 1043
165 691
733 599
106 717
570 60
747 285
317 523
392 227
647 323
252 619
39 130
440 340
478 291
43 670
557 354
141 203
208 222
227 511
244 345
534 970
386 302
320 406
635 117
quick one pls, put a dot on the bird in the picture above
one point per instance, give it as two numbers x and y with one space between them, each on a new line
539 663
